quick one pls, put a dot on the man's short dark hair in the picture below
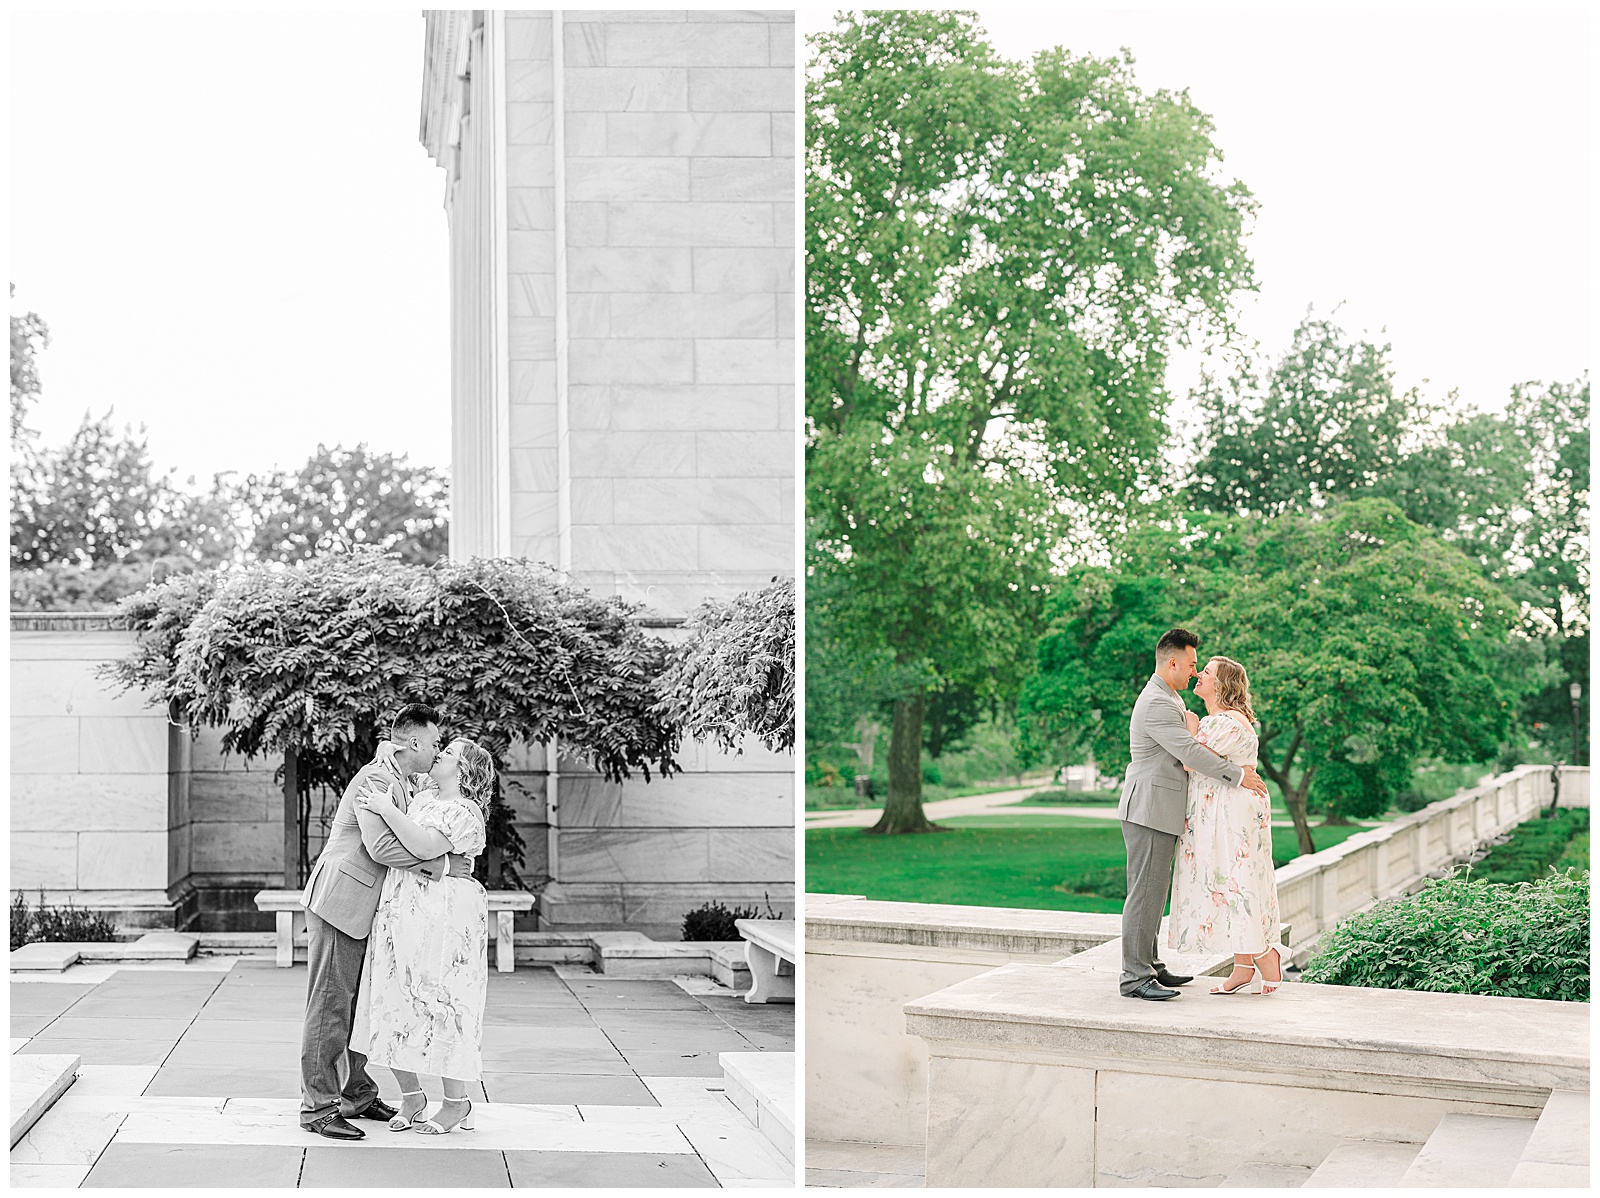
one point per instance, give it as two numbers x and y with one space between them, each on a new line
411 718
1175 641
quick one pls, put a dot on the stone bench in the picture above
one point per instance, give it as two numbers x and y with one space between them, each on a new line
291 913
769 951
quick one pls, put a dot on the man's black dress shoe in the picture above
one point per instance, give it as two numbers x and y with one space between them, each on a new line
1151 990
379 1109
335 1128
1171 979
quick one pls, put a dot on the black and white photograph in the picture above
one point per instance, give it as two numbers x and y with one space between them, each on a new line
403 599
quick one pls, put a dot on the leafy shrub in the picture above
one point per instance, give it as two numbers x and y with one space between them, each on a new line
1535 845
1073 798
21 922
735 674
1435 780
1111 883
713 921
57 924
1576 855
1463 935
71 586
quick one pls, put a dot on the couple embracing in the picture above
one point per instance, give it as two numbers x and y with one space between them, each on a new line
398 937
1192 794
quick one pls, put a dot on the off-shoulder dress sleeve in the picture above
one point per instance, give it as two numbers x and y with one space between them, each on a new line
1224 735
460 823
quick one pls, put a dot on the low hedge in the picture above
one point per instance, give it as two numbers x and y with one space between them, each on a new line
1465 935
1534 847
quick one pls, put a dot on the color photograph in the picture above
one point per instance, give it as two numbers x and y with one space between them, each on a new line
1197 598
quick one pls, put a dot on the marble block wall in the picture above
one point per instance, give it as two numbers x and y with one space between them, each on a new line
89 793
639 855
620 190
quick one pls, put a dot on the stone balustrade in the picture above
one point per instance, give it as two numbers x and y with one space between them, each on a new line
1317 890
1574 786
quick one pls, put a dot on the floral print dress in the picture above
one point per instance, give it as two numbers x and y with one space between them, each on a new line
427 967
1224 889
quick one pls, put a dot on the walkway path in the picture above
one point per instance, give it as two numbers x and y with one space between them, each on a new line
865 817
998 803
190 1077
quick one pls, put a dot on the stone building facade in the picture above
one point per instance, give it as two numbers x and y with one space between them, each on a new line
621 190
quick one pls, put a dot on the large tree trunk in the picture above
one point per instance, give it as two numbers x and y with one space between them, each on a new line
1294 797
902 811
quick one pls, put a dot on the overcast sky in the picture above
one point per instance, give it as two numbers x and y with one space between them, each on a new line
233 232
1428 171
236 238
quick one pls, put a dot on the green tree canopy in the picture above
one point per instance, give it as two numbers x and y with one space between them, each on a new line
998 256
1369 642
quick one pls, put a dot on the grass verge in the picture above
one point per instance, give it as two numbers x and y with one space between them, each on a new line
994 861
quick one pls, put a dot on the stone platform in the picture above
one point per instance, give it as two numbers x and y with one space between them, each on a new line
1045 1075
190 1073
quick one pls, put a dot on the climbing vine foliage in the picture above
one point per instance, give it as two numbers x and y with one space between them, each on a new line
734 676
316 658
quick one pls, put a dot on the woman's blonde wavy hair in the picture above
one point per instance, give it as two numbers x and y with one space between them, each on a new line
1233 686
475 775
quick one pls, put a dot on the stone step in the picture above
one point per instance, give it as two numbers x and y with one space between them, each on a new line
1479 1151
761 1084
1264 1175
37 1080
1557 1154
1361 1164
55 956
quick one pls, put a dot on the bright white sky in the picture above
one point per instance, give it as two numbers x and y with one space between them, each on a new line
1427 170
237 240
229 224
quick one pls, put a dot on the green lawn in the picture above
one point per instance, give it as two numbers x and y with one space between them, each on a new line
843 798
989 861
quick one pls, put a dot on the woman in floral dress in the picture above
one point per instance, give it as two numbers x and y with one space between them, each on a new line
420 1008
1224 888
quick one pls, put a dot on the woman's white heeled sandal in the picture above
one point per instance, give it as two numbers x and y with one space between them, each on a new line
1269 985
432 1127
403 1122
1251 986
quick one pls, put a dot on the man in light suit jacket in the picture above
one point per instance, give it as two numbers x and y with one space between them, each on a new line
1155 799
341 897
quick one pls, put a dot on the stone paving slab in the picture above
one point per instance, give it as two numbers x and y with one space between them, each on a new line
74 1027
562 1104
47 1177
185 1080
23 1026
191 1166
607 1170
36 998
346 1166
102 1052
658 1063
